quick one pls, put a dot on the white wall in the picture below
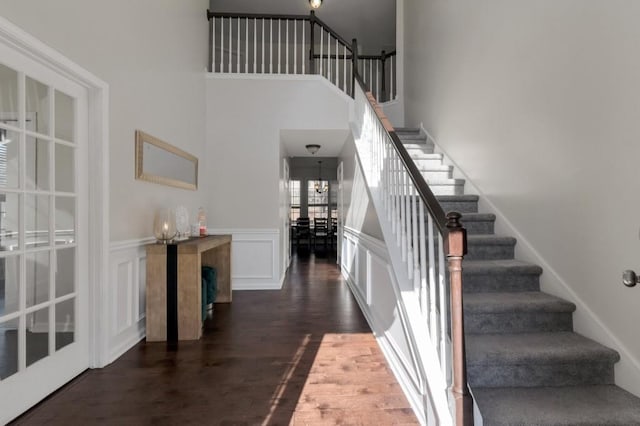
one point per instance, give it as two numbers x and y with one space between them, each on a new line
537 102
245 153
152 53
360 214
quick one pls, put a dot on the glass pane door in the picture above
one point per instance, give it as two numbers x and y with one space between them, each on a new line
42 342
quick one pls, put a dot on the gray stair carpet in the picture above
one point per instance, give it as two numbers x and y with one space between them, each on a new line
525 364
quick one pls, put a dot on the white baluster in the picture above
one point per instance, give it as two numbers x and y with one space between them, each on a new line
255 45
286 45
344 69
409 202
302 50
279 45
415 199
230 46
238 48
444 304
337 79
271 46
262 41
433 285
423 263
377 80
370 75
403 212
246 47
407 223
221 44
321 49
329 56
213 45
295 46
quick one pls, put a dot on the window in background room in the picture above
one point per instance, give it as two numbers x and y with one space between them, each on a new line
318 200
294 189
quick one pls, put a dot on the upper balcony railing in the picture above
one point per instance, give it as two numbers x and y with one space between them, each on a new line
295 44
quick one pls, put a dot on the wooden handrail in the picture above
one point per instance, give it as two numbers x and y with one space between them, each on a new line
331 31
211 15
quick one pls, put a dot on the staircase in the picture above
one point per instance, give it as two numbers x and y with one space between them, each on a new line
525 364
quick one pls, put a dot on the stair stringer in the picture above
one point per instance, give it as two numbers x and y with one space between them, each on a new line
585 321
434 383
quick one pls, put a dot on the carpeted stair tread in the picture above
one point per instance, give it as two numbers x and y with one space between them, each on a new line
457 198
411 136
601 405
499 267
535 348
477 217
436 168
431 156
490 240
404 130
526 301
445 181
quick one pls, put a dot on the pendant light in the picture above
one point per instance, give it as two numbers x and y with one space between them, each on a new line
315 3
318 186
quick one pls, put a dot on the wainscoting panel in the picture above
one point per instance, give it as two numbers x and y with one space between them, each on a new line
255 258
127 262
367 270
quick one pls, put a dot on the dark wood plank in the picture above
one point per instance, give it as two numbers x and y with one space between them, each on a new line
302 356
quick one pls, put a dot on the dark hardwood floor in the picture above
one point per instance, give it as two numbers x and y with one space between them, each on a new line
303 356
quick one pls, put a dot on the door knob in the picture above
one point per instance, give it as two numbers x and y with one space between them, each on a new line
629 278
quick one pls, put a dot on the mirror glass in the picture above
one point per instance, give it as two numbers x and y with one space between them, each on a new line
160 162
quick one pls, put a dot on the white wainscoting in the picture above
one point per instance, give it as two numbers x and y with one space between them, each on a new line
126 324
255 258
367 270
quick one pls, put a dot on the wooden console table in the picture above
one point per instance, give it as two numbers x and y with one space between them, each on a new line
174 285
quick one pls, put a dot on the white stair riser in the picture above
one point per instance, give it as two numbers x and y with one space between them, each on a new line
428 164
436 174
449 189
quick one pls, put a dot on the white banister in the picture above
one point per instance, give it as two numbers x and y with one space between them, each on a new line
415 245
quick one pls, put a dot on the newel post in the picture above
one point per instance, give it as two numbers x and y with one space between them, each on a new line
456 248
312 43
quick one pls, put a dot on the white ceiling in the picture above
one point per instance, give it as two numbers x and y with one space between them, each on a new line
330 141
373 23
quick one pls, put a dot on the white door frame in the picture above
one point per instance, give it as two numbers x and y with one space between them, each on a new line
98 149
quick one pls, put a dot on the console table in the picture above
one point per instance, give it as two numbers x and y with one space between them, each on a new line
174 285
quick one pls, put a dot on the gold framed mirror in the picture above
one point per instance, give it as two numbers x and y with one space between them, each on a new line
160 162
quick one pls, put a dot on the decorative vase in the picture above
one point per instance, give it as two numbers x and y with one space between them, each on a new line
164 225
182 222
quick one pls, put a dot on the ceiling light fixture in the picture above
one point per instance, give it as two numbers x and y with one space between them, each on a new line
312 148
315 3
318 186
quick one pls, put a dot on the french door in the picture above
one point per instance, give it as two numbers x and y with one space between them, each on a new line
44 329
